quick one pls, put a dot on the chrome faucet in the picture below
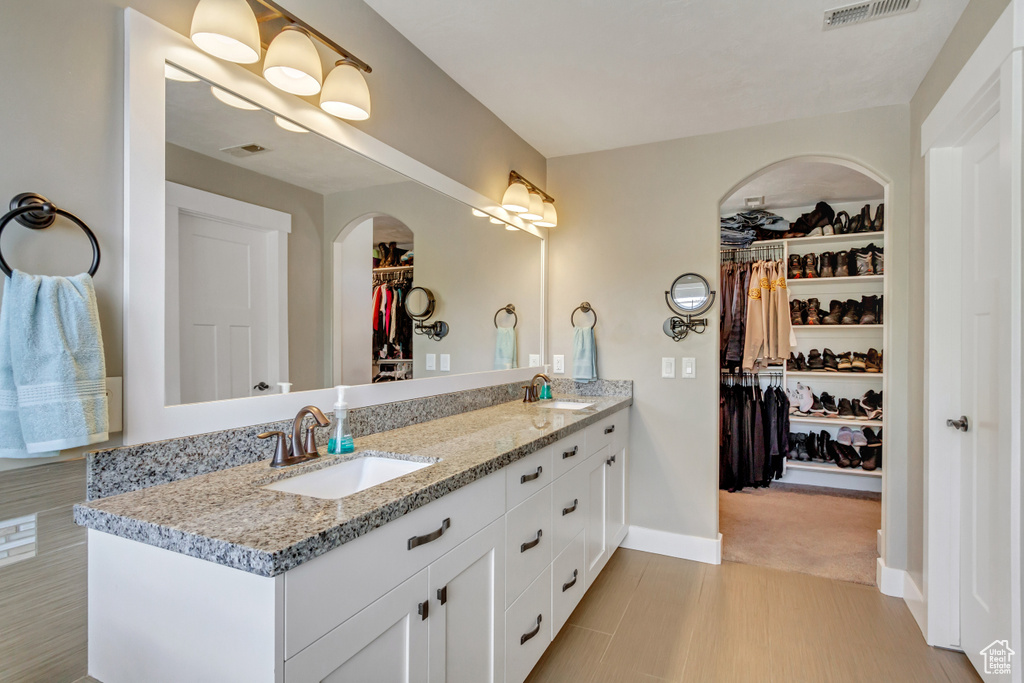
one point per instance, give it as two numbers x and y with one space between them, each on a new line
531 388
293 451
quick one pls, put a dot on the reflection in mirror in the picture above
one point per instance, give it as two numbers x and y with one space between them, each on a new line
289 258
690 292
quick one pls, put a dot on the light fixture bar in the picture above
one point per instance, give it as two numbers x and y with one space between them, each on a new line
288 16
515 177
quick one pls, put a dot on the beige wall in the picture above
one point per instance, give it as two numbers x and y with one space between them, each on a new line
633 219
974 25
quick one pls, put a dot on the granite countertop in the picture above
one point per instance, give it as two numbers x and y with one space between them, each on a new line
225 517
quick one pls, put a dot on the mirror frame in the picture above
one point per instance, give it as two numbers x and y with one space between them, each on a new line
148 45
709 297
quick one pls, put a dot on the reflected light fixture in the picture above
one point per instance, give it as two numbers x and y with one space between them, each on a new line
345 93
232 100
550 218
479 214
173 73
498 221
529 201
292 63
510 227
288 125
227 29
536 210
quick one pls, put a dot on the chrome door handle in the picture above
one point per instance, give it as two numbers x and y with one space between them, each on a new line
962 424
432 536
526 636
530 544
530 477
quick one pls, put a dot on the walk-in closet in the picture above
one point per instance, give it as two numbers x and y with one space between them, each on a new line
802 392
393 268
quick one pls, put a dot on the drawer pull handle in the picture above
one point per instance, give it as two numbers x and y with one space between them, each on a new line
442 595
567 586
610 461
424 610
432 536
530 544
569 454
530 477
575 504
609 430
526 636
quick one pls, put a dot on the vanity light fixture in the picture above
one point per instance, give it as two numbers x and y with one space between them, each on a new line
173 73
498 221
232 100
227 29
289 126
292 63
516 198
479 214
345 93
529 201
510 227
536 210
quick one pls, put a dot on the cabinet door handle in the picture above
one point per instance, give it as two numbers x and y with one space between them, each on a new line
526 636
569 510
567 586
423 609
432 536
530 544
442 595
569 454
609 430
610 461
530 477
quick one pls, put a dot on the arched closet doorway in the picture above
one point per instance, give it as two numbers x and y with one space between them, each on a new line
803 338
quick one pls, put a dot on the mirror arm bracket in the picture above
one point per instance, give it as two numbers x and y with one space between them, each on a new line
682 323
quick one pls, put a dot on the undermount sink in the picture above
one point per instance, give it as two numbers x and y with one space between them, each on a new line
346 478
565 405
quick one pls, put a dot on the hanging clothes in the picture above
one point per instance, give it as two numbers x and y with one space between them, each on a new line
753 433
768 335
392 327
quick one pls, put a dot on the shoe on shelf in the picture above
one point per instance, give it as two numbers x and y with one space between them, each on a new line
828 229
845 362
859 440
859 362
828 405
851 454
873 361
796 268
815 361
871 457
811 263
837 455
881 310
791 365
797 312
845 408
869 308
845 436
831 363
811 446
852 313
801 362
842 223
841 267
864 263
805 399
815 232
864 224
878 261
813 312
826 264
835 313
872 439
878 225
858 410
871 402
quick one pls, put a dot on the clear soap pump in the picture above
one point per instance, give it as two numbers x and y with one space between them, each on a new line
341 436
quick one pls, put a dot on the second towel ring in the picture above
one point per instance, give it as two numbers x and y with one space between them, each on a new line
584 307
37 212
511 310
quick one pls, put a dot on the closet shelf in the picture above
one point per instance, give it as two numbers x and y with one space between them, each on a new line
392 269
831 468
816 374
808 281
835 421
853 237
839 328
380 361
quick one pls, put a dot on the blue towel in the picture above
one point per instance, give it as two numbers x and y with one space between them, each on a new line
53 379
584 354
505 349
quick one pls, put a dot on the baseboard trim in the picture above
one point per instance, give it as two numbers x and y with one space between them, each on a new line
889 581
696 548
914 598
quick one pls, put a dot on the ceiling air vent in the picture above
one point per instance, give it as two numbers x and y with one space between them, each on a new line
867 11
245 150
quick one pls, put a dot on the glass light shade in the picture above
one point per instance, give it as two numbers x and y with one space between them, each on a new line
550 218
292 63
345 93
173 73
536 210
497 221
226 29
516 198
288 125
232 100
510 227
479 214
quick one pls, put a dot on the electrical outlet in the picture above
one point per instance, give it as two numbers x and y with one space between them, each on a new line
689 368
559 364
446 362
534 360
431 361
668 367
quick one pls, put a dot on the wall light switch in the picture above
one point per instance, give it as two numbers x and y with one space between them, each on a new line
559 363
534 360
668 367
446 362
689 368
431 361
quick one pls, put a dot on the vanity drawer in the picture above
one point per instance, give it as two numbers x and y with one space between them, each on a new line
567 583
525 477
568 452
528 629
527 543
569 499
319 593
603 433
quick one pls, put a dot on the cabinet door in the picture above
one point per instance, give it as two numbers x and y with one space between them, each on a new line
596 538
467 624
615 503
387 641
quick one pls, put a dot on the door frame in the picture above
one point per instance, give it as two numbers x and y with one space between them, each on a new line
989 85
276 224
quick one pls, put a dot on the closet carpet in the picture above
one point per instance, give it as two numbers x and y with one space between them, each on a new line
825 532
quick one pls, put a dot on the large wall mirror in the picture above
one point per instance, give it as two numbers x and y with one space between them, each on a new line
287 251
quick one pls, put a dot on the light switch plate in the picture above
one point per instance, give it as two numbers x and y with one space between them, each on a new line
559 364
688 370
431 361
534 360
668 367
446 362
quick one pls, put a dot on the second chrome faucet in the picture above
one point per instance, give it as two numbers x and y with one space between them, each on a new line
294 451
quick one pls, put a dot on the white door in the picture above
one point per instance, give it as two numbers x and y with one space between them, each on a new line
596 538
227 269
985 590
615 505
467 617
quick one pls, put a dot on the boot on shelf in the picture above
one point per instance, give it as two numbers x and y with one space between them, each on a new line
878 224
797 312
842 264
828 404
869 310
851 316
826 265
831 362
810 265
795 268
841 225
815 361
813 312
863 257
835 313
871 457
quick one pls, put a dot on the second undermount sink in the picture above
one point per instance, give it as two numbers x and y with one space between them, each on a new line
565 405
346 478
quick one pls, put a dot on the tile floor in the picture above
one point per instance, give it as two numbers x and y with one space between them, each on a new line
650 618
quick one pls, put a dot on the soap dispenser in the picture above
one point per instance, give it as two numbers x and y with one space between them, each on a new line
341 437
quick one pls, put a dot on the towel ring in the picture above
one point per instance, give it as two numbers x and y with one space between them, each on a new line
37 212
511 310
584 307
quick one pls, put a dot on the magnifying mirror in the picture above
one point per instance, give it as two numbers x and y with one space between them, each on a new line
419 303
691 293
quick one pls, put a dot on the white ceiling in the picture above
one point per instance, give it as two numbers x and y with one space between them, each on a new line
575 76
804 183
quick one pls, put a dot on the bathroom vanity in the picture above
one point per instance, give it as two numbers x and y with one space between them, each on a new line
463 569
